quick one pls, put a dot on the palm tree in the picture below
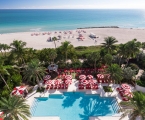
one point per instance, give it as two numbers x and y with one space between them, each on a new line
66 47
94 56
34 72
54 39
132 48
4 71
1 48
18 49
137 104
52 55
109 44
121 52
115 73
5 47
14 108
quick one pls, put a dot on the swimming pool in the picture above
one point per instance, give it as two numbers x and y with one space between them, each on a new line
74 106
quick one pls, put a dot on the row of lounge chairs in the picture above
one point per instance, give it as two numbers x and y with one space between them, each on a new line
61 86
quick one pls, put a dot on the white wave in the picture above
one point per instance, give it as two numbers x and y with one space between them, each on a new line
36 29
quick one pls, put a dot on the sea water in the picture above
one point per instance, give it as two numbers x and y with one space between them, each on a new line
56 19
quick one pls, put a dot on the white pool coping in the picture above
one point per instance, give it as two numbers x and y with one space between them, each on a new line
73 87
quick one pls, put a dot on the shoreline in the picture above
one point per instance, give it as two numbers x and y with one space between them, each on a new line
39 41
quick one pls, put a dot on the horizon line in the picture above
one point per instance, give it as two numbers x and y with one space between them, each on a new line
64 8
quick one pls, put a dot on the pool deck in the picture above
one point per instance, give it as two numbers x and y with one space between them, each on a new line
73 87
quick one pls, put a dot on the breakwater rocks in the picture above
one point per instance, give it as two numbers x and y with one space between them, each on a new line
99 27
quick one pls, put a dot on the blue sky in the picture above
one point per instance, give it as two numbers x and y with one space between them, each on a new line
72 4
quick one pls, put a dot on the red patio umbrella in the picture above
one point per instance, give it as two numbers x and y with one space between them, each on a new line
90 76
92 81
125 86
57 82
48 82
18 90
100 76
68 77
82 77
47 77
68 81
84 82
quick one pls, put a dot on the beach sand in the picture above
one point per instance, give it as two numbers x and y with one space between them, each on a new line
38 42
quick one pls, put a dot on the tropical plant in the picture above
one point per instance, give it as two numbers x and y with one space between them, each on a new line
18 50
108 59
137 107
54 39
129 74
14 108
109 44
115 73
34 72
132 48
4 71
94 56
66 48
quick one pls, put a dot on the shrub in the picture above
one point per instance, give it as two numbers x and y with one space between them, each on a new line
134 67
141 83
107 89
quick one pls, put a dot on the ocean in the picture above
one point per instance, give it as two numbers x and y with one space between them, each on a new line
55 19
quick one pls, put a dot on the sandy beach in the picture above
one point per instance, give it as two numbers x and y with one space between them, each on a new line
40 41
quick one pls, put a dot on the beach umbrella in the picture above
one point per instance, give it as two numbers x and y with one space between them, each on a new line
68 77
129 94
47 77
48 82
68 81
125 86
57 82
90 76
84 82
18 90
82 77
100 76
92 81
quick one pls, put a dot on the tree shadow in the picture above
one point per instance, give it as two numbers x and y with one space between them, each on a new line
70 99
94 107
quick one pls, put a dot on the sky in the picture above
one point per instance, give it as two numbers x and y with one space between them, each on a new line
72 4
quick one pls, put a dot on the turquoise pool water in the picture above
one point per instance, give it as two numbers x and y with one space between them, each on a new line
74 106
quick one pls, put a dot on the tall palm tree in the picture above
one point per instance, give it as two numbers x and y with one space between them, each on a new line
4 71
66 47
115 73
1 48
121 52
109 44
15 108
5 47
132 48
18 49
94 56
54 39
34 72
137 104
